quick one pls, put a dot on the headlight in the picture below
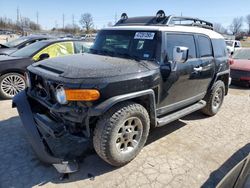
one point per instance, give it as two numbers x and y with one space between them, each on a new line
63 96
60 95
27 79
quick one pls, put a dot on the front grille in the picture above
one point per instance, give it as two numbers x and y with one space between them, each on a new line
43 88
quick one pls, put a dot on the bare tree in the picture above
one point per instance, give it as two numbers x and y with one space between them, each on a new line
219 28
236 25
248 22
86 21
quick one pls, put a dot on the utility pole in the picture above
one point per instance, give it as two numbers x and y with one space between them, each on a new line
56 25
63 21
17 15
37 17
73 20
115 18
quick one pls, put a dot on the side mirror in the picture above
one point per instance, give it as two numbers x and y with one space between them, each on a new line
43 56
180 54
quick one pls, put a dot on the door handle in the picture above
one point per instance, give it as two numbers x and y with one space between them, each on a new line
197 69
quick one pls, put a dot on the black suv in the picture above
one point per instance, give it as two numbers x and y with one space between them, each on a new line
142 73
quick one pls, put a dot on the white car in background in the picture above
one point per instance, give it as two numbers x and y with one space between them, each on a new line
232 46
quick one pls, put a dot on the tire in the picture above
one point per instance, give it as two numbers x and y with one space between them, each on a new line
11 84
214 99
121 133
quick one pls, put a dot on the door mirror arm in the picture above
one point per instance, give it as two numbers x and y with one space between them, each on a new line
43 56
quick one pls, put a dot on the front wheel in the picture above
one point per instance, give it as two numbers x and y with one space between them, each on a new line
11 84
121 133
214 99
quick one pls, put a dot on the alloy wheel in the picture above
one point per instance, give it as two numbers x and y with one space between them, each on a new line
12 85
129 135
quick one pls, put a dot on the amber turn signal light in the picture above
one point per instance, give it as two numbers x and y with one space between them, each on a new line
82 94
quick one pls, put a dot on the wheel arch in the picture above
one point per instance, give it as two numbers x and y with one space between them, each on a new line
145 98
224 77
18 71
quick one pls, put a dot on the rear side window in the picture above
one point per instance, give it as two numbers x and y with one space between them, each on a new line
56 50
184 40
204 46
219 46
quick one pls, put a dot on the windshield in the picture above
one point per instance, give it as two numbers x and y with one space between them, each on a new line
28 51
242 54
16 42
139 45
229 43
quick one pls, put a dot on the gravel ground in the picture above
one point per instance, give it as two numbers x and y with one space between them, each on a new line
195 151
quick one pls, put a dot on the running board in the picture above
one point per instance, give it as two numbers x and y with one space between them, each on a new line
179 114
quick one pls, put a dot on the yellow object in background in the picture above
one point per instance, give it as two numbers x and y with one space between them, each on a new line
56 50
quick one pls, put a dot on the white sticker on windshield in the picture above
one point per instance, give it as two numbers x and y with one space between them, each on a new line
144 35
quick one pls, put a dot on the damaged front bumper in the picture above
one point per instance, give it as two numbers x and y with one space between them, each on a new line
36 138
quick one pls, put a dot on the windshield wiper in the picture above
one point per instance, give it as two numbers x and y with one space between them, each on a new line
129 56
102 52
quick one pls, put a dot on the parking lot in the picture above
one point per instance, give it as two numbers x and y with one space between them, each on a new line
192 152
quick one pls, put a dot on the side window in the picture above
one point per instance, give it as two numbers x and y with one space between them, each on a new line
219 46
205 46
56 50
81 47
180 40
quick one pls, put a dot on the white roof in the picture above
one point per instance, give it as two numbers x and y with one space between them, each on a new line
188 29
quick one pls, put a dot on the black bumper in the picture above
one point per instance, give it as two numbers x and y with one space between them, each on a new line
23 106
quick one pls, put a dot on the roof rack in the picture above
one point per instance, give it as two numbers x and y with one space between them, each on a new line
162 20
189 21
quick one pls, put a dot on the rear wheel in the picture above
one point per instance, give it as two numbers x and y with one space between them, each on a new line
214 99
121 133
11 84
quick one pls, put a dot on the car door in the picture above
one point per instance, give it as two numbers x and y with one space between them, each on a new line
56 50
179 89
204 70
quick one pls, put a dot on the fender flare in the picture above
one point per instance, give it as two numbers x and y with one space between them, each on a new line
109 103
217 75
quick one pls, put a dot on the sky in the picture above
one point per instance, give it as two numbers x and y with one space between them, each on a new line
104 11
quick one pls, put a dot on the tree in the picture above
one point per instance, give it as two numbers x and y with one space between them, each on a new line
236 25
86 21
248 22
219 28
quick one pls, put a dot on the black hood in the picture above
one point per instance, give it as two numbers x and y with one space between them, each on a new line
92 66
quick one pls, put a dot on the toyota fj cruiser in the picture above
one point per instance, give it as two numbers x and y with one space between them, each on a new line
142 73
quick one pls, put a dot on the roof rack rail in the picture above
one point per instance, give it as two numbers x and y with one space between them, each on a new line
189 21
162 20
